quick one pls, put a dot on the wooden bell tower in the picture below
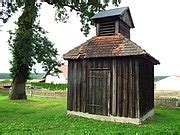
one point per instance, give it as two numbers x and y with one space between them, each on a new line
109 76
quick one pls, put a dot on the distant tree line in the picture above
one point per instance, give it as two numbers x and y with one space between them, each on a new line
32 76
5 76
158 78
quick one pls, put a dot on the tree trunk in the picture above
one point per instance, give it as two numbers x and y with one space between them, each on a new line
18 91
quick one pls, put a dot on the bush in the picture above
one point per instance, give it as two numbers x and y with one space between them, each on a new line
6 81
49 86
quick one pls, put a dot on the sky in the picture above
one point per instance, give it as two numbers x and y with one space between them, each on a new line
156 30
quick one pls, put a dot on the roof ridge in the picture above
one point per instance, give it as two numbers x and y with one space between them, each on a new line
100 14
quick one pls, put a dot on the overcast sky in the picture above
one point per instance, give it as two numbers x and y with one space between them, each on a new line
157 28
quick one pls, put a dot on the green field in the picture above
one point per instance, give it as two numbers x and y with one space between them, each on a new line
48 116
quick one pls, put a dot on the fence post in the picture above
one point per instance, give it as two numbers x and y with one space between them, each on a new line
31 92
55 94
177 103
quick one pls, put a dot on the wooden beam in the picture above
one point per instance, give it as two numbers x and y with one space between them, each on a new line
97 29
116 27
114 87
137 89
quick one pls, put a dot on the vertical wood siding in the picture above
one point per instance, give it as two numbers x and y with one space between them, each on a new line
120 86
146 87
127 88
124 29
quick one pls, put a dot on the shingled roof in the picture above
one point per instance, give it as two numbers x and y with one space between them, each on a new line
123 13
111 12
107 46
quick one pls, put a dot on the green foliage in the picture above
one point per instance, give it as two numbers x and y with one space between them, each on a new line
158 78
5 81
36 76
29 44
85 10
49 116
44 52
21 46
50 86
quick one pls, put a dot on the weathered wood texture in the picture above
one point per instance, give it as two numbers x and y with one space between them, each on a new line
107 28
146 81
127 87
111 86
124 29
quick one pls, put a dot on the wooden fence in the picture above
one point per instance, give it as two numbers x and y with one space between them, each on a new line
46 93
158 101
168 102
5 85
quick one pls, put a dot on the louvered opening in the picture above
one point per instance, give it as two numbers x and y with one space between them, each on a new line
107 28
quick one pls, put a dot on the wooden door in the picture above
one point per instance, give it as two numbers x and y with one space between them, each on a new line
99 92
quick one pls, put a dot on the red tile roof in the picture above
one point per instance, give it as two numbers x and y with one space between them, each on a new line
107 46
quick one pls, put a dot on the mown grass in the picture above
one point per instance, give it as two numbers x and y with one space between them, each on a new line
48 116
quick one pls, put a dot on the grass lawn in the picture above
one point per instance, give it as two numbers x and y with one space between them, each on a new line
48 116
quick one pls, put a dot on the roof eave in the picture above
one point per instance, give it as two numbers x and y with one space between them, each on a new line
151 59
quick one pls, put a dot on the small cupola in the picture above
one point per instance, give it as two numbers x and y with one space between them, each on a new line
113 21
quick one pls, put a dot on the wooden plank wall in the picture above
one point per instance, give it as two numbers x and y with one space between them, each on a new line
78 72
127 85
146 86
124 29
76 86
131 83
